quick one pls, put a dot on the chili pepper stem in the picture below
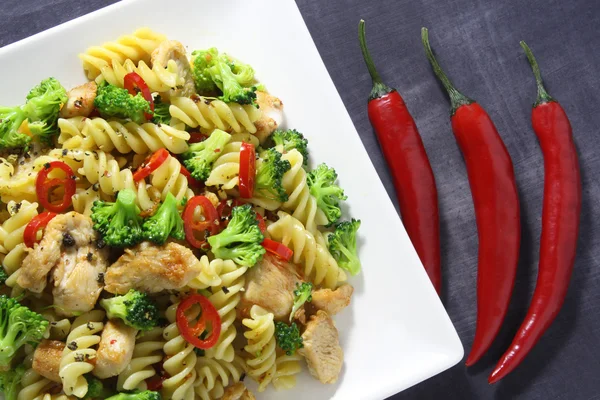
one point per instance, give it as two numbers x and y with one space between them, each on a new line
457 99
542 94
379 88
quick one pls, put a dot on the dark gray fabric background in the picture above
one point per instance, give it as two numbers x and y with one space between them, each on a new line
478 44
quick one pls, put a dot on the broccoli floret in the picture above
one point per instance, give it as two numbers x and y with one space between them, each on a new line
18 326
241 240
198 159
302 294
288 337
119 223
269 176
291 139
201 63
3 276
135 308
145 395
342 245
96 389
161 112
164 223
9 382
215 72
113 101
41 112
321 182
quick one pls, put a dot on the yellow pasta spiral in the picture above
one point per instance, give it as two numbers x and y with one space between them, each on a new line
226 169
301 203
136 47
98 133
179 362
79 353
261 346
157 78
211 273
286 369
212 114
215 375
147 352
319 266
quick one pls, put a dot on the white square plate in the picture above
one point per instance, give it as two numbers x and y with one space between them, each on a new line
396 332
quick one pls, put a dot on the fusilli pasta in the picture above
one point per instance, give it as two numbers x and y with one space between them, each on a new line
301 203
215 375
286 369
319 266
98 133
79 353
210 114
147 352
211 273
261 346
136 47
179 363
157 78
226 168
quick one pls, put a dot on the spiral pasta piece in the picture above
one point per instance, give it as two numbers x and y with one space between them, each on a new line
226 169
147 352
319 266
34 386
301 203
79 353
100 134
136 47
286 369
168 179
210 114
58 328
157 78
179 363
210 274
213 376
261 346
225 298
84 199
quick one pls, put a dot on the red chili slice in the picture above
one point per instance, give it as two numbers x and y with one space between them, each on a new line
44 185
196 137
192 182
191 226
261 223
209 314
151 164
134 84
247 170
38 222
278 249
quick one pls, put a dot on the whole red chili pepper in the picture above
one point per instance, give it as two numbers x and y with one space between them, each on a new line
405 155
560 223
494 193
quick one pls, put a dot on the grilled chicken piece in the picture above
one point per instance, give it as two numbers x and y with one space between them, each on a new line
238 391
322 350
80 101
174 50
332 301
115 349
270 284
69 249
46 359
272 115
151 268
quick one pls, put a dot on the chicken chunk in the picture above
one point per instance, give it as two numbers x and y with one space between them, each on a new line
174 50
46 359
322 350
238 391
272 114
332 301
270 284
69 250
80 101
115 349
151 268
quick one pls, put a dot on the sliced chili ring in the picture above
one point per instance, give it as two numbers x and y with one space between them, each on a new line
151 164
134 84
261 223
44 185
196 137
279 249
38 222
209 314
191 226
247 170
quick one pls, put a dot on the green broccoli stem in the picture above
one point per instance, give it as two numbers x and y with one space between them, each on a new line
379 89
542 94
457 99
352 259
